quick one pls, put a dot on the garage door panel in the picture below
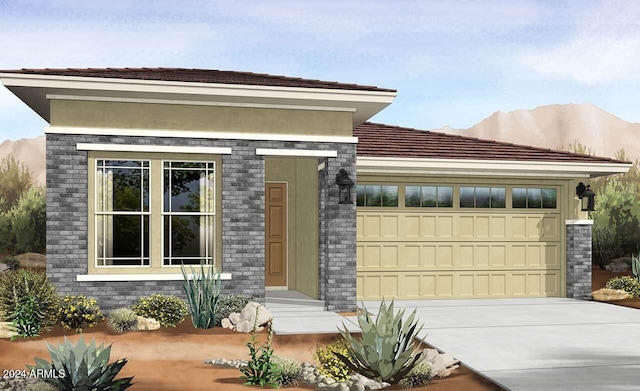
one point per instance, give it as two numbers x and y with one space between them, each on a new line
444 285
389 227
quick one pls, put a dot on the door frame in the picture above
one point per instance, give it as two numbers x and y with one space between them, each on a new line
286 250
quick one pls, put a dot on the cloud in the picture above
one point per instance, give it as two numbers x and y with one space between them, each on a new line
603 48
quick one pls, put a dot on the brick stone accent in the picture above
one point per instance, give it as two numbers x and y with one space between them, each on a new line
337 244
579 261
243 235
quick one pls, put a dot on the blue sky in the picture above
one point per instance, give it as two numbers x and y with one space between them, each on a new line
452 62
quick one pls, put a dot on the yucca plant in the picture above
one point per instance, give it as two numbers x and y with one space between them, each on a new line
202 290
387 350
85 367
635 266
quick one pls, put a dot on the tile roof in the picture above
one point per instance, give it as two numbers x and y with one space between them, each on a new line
197 76
380 140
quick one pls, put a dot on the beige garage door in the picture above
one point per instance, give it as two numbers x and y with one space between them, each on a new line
436 254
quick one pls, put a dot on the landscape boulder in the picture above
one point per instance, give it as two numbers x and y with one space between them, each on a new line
32 261
245 321
146 324
617 266
442 364
606 294
5 330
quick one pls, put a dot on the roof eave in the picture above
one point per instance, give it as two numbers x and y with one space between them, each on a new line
33 90
477 167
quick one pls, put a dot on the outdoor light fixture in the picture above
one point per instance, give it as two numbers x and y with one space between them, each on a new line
344 186
585 193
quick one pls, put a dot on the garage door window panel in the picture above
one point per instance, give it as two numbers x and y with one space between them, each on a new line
377 195
482 197
534 198
428 196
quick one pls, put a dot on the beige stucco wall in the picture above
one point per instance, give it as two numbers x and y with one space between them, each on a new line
205 118
302 219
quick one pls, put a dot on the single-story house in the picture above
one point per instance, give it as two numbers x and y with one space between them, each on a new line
149 168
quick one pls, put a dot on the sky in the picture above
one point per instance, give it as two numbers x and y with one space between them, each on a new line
453 62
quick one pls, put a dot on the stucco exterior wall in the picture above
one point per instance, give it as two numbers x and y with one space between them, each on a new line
205 118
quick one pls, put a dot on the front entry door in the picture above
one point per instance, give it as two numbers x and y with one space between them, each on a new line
276 234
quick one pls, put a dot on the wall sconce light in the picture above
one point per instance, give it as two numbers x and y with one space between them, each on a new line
344 186
587 196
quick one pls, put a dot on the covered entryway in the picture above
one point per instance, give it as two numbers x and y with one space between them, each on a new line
459 246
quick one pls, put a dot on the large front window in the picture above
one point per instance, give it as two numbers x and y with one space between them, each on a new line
122 212
188 213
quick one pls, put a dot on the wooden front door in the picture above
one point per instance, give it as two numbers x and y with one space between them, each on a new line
276 234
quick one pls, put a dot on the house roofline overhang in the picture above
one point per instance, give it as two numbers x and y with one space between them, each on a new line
478 167
35 91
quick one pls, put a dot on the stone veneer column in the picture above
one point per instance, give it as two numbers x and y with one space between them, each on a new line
578 258
243 223
337 235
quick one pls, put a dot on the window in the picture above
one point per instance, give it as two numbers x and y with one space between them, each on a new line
188 213
377 195
122 212
428 196
482 197
534 197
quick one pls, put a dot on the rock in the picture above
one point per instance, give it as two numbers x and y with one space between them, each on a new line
3 267
144 324
5 331
32 260
442 364
617 266
606 294
245 321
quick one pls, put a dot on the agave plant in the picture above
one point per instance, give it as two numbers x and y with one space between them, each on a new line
635 266
83 367
203 291
387 350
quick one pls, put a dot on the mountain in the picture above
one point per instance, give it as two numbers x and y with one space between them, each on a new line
557 127
31 152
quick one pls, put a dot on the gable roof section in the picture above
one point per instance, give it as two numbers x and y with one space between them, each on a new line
418 149
197 76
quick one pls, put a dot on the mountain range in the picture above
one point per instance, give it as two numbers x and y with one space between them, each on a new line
554 126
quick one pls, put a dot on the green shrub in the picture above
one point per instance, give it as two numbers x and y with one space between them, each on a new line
167 310
26 320
28 222
329 364
626 283
79 312
606 245
419 376
231 303
261 369
387 349
12 263
121 320
29 284
86 367
202 291
289 371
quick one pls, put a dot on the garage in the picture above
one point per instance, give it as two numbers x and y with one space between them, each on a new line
445 237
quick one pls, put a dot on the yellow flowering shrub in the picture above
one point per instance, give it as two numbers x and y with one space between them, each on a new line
167 310
79 312
329 364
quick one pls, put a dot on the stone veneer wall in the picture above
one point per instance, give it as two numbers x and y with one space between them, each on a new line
242 221
337 235
579 261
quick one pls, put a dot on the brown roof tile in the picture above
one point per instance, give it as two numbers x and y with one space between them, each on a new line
198 76
382 140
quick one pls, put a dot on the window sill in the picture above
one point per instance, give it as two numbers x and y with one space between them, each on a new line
139 277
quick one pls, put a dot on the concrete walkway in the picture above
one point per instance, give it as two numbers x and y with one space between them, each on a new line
537 344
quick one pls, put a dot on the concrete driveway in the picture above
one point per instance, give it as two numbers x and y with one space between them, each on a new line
537 344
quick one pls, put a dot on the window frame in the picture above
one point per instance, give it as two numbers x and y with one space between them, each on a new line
212 214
